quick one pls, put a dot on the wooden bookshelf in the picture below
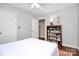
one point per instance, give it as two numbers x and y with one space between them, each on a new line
54 33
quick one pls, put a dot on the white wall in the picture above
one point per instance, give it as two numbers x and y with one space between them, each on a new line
68 19
78 25
23 20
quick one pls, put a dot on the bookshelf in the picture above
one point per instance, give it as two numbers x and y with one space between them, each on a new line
54 34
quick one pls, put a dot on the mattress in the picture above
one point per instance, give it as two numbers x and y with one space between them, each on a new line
29 47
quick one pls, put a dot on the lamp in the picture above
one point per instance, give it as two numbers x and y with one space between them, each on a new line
51 21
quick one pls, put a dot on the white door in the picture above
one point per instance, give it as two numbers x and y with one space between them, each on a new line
34 29
8 26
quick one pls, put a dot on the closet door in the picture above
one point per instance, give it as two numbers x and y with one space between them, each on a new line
8 26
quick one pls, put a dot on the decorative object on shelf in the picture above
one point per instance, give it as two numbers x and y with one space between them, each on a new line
54 33
58 20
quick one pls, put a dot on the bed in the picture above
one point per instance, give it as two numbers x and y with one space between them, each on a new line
29 47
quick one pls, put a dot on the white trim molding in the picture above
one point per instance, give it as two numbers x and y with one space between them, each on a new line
76 47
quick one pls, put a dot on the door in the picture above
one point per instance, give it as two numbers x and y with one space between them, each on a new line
34 29
8 26
42 29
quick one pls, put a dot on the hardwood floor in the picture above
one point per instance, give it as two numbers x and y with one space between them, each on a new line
69 50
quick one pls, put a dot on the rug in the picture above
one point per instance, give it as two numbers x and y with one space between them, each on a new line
64 53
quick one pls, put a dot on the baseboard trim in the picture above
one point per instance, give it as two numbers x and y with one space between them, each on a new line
70 46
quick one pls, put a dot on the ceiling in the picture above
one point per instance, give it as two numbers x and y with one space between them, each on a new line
45 7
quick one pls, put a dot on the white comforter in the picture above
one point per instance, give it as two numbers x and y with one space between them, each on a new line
29 47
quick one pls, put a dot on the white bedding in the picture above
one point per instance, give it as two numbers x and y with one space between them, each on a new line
29 47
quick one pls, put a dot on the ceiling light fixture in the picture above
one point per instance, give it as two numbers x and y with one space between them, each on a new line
35 5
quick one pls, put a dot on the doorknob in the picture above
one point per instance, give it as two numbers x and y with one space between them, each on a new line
0 33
